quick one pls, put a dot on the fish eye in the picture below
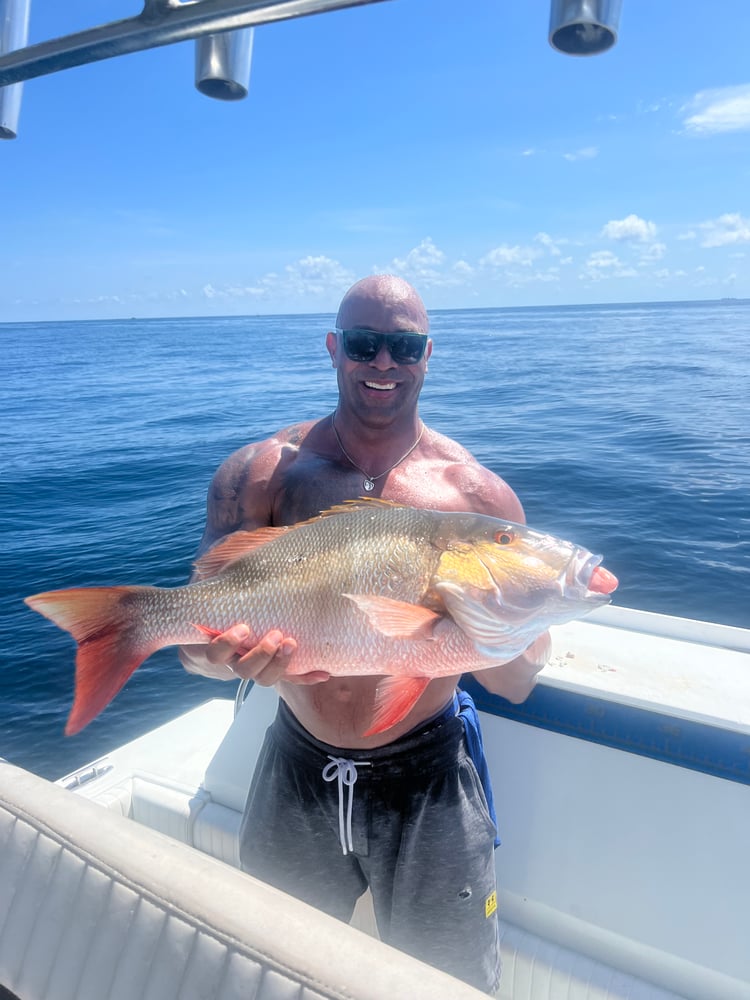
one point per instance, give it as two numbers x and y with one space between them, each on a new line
504 537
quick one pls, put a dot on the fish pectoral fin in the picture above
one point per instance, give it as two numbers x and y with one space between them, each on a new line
394 699
212 633
206 630
481 623
396 619
232 548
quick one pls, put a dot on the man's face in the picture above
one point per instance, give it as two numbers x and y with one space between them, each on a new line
380 389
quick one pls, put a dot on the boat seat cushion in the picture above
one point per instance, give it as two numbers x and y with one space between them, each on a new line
95 907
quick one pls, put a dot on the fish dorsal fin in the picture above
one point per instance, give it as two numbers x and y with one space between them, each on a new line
349 506
232 548
240 543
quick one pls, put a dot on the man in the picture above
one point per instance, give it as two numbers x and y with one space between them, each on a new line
419 827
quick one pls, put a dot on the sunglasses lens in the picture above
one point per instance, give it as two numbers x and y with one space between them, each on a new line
360 345
406 348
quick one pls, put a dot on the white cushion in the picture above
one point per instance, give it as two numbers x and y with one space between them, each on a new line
95 907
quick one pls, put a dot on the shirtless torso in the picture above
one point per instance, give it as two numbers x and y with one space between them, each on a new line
301 471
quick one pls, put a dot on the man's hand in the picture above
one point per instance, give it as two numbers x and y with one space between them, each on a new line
227 657
515 680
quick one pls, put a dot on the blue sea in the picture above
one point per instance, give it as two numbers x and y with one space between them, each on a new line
625 428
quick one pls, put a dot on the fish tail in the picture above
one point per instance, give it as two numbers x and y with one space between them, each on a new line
107 624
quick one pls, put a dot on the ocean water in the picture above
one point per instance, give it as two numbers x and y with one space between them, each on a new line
624 428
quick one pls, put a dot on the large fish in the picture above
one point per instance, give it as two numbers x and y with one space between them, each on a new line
369 587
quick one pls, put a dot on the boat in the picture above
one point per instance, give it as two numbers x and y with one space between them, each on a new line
622 783
623 792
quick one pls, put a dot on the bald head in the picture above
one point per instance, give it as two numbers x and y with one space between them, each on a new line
384 303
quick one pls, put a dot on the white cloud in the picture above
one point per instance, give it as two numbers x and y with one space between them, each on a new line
423 265
522 278
664 273
505 256
463 268
425 255
725 109
587 153
726 230
653 108
653 252
631 228
603 259
552 245
316 277
603 264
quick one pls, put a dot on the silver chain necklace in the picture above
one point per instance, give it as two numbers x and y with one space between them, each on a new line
369 481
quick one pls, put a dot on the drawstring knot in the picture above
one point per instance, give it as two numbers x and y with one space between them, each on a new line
345 772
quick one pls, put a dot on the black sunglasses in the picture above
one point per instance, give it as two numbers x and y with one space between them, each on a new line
364 345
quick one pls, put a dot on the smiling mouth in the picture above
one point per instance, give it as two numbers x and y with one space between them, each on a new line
381 386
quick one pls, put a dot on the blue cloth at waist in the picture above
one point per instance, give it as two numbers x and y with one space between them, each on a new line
467 712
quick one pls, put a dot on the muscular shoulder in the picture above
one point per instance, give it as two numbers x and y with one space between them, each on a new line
479 488
241 491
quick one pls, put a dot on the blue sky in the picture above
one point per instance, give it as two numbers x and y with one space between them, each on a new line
448 143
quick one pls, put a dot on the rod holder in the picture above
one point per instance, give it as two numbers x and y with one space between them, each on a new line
14 33
584 27
222 64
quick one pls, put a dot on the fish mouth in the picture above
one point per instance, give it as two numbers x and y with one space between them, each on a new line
584 579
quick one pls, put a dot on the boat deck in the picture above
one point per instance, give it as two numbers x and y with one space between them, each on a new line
622 875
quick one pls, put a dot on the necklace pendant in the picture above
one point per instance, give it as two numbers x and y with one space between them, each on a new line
369 485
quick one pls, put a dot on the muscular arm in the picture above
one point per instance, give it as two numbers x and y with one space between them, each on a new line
240 497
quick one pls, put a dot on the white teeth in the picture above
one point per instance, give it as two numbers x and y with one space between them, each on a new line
380 385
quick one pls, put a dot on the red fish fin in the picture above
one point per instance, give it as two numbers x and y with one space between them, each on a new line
395 698
106 624
210 632
213 632
232 548
396 619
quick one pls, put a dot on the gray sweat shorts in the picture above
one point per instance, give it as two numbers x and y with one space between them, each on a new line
409 820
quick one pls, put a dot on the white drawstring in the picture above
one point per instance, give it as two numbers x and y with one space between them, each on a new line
346 772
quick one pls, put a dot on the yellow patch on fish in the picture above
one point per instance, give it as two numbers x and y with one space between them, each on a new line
490 905
462 564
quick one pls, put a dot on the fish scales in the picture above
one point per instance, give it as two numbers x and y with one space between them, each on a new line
367 588
292 581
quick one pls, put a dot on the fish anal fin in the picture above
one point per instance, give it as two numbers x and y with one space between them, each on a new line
396 619
232 548
394 699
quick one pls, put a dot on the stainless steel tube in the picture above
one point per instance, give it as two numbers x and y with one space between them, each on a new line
222 64
584 27
14 33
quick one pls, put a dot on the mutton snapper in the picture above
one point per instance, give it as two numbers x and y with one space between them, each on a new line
369 587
